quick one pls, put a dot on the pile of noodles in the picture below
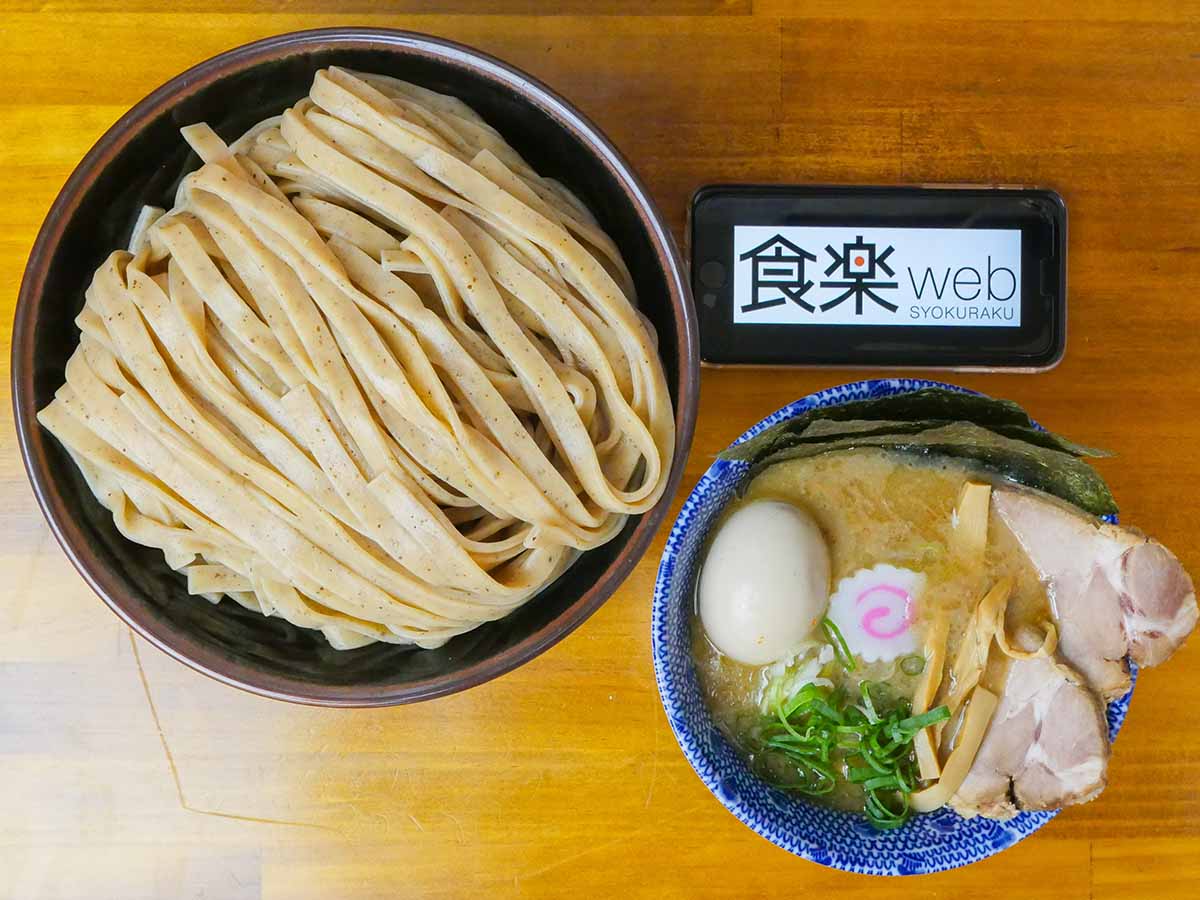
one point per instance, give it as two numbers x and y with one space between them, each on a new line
371 374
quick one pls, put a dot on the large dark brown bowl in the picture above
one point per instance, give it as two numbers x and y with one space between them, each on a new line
140 161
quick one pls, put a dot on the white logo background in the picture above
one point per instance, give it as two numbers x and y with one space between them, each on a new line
926 261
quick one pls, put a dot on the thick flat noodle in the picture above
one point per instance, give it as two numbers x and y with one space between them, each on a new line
372 374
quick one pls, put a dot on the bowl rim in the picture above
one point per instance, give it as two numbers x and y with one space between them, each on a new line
31 439
1115 710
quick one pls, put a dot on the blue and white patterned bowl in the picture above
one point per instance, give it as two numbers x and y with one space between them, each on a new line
927 843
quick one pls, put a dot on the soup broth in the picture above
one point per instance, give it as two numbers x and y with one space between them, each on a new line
876 507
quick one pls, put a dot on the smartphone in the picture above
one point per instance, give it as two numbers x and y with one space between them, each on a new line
966 278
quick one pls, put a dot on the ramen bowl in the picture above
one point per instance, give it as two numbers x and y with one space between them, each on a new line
140 161
842 840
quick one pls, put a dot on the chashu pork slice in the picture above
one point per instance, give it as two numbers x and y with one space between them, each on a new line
1114 592
1046 746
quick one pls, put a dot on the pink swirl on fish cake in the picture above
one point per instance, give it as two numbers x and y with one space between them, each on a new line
884 610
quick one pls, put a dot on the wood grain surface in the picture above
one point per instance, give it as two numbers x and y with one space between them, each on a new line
125 775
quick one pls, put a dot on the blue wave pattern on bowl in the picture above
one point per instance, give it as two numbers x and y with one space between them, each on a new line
927 843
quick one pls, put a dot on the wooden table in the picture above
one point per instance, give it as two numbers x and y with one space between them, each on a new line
123 774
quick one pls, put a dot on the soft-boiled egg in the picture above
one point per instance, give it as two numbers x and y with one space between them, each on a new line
765 583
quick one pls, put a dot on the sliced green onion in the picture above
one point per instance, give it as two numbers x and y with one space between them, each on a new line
820 736
924 720
881 815
828 711
841 649
786 723
868 707
882 782
912 665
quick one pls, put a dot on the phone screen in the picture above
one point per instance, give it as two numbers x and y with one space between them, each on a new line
944 277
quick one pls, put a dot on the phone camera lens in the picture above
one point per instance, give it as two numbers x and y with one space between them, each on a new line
712 274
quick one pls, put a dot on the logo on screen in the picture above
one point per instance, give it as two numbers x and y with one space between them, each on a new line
823 275
858 267
777 275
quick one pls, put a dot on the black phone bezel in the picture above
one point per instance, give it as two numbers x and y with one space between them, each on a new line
1037 344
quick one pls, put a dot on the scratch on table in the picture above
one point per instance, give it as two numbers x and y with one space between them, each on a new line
462 834
654 768
595 848
162 738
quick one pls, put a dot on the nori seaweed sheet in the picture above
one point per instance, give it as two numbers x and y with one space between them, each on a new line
997 435
822 429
